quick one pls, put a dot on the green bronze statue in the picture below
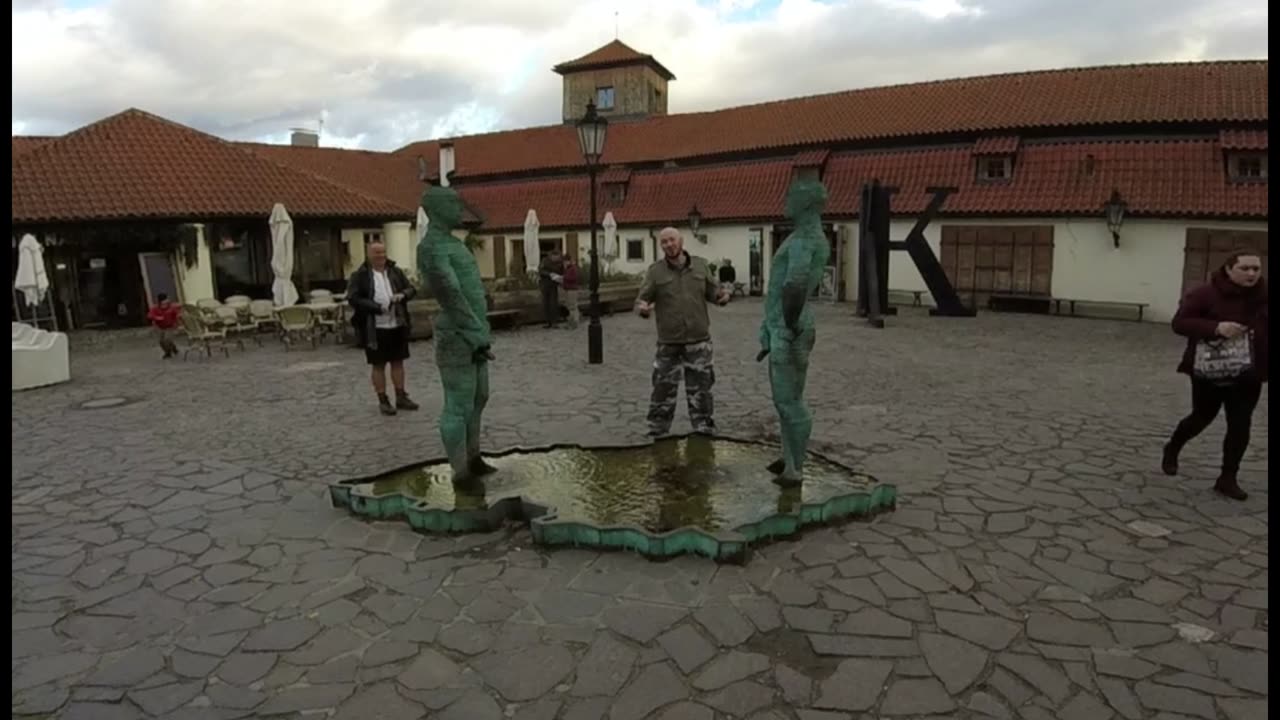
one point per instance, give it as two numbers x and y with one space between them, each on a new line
787 332
461 331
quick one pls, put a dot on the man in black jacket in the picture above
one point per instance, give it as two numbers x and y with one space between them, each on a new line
379 293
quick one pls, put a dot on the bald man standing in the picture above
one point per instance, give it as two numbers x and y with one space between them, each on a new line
677 288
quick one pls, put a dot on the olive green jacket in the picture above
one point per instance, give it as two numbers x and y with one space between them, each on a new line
680 297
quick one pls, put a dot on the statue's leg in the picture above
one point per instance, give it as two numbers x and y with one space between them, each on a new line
476 463
788 370
666 386
458 379
699 377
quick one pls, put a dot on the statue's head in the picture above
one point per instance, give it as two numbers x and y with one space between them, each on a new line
805 198
443 207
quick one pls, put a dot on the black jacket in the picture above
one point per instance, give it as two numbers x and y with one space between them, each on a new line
360 297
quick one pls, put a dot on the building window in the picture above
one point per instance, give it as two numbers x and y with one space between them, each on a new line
635 250
995 168
1248 167
604 98
546 246
615 193
372 237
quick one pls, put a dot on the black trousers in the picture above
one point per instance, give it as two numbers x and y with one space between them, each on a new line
550 303
1239 399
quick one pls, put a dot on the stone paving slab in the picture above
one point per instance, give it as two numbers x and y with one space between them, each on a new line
176 557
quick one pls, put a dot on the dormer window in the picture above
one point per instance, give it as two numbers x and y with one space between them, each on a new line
995 168
615 193
604 98
1247 166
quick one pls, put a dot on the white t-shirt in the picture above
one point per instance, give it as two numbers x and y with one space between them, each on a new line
382 293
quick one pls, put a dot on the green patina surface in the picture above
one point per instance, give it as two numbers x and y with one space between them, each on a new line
461 329
787 333
710 497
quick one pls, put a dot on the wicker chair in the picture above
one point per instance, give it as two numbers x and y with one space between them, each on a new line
236 325
296 322
263 315
201 336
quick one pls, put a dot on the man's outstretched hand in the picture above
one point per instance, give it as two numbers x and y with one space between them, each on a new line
762 354
482 355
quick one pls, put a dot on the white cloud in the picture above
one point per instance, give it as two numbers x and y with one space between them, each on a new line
388 72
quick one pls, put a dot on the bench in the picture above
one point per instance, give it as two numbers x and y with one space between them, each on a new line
917 296
503 318
1072 302
1019 302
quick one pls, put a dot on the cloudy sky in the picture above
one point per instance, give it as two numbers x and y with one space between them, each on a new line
382 73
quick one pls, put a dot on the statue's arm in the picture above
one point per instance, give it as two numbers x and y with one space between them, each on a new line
453 303
795 288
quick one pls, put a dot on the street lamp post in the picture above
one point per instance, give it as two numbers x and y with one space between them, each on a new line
591 133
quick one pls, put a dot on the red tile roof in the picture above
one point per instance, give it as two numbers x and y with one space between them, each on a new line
615 175
615 54
136 165
1002 145
1156 178
24 143
1127 95
811 158
1243 139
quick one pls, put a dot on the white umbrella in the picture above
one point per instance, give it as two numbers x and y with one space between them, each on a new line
531 241
282 290
422 223
610 236
31 280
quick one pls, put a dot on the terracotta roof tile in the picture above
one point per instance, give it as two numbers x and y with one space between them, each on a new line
614 54
1243 139
1156 178
811 158
1001 145
615 175
24 143
1173 93
136 165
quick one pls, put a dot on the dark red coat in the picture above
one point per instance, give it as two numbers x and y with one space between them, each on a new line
1221 300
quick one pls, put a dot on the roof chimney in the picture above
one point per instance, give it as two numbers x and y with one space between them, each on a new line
446 161
302 137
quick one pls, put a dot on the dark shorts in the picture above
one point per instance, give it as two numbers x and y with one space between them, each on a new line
393 346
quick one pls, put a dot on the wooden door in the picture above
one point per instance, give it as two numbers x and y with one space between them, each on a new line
518 265
499 257
1207 249
571 246
980 260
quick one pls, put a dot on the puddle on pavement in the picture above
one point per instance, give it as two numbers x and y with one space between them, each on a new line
676 482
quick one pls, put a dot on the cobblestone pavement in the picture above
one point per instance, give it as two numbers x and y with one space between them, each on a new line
175 556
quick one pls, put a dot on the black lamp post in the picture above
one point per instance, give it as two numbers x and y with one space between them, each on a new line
695 220
591 132
1115 208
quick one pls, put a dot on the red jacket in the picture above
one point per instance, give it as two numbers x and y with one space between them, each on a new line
570 275
165 318
1221 300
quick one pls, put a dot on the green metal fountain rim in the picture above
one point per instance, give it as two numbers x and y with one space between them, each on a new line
724 545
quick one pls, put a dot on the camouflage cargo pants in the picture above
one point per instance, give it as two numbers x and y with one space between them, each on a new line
694 361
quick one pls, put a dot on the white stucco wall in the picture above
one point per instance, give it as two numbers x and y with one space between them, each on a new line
1146 268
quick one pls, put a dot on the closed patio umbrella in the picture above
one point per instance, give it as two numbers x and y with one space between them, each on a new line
31 280
531 256
282 290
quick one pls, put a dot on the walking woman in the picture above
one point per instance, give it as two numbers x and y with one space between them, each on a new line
1225 323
